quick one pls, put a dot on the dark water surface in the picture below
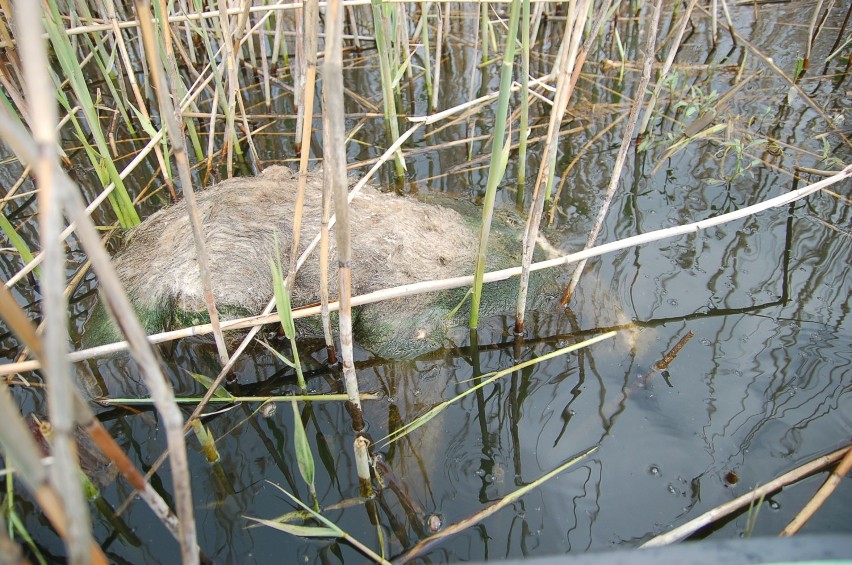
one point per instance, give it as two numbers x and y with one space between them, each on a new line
764 384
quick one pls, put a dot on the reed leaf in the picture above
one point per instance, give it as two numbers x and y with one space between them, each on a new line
17 242
301 531
207 382
304 456
285 311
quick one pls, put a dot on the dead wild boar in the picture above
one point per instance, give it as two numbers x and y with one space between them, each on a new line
395 240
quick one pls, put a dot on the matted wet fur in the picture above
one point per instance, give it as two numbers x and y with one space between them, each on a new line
395 241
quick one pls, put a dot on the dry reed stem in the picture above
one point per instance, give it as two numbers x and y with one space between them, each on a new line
175 132
625 146
306 112
831 483
566 65
335 169
64 478
589 144
711 516
232 82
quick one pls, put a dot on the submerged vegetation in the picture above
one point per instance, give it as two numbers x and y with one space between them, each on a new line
576 114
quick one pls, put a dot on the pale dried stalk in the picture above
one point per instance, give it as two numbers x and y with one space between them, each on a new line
335 169
325 226
544 180
625 146
686 530
306 110
230 62
175 132
458 282
39 91
831 483
439 48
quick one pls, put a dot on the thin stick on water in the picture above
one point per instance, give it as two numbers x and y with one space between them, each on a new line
728 508
831 483
626 140
40 95
175 132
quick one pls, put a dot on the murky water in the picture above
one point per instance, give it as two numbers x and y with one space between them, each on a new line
763 384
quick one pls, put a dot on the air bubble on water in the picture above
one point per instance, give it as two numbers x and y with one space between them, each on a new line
654 470
706 342
774 505
673 302
480 473
672 489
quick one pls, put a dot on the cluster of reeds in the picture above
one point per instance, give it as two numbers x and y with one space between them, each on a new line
161 86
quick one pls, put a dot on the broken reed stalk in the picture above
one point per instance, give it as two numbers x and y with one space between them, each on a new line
125 317
424 41
311 22
497 166
335 161
255 322
626 141
728 508
43 119
831 483
578 14
175 133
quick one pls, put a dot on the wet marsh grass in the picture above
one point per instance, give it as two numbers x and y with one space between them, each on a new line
103 82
